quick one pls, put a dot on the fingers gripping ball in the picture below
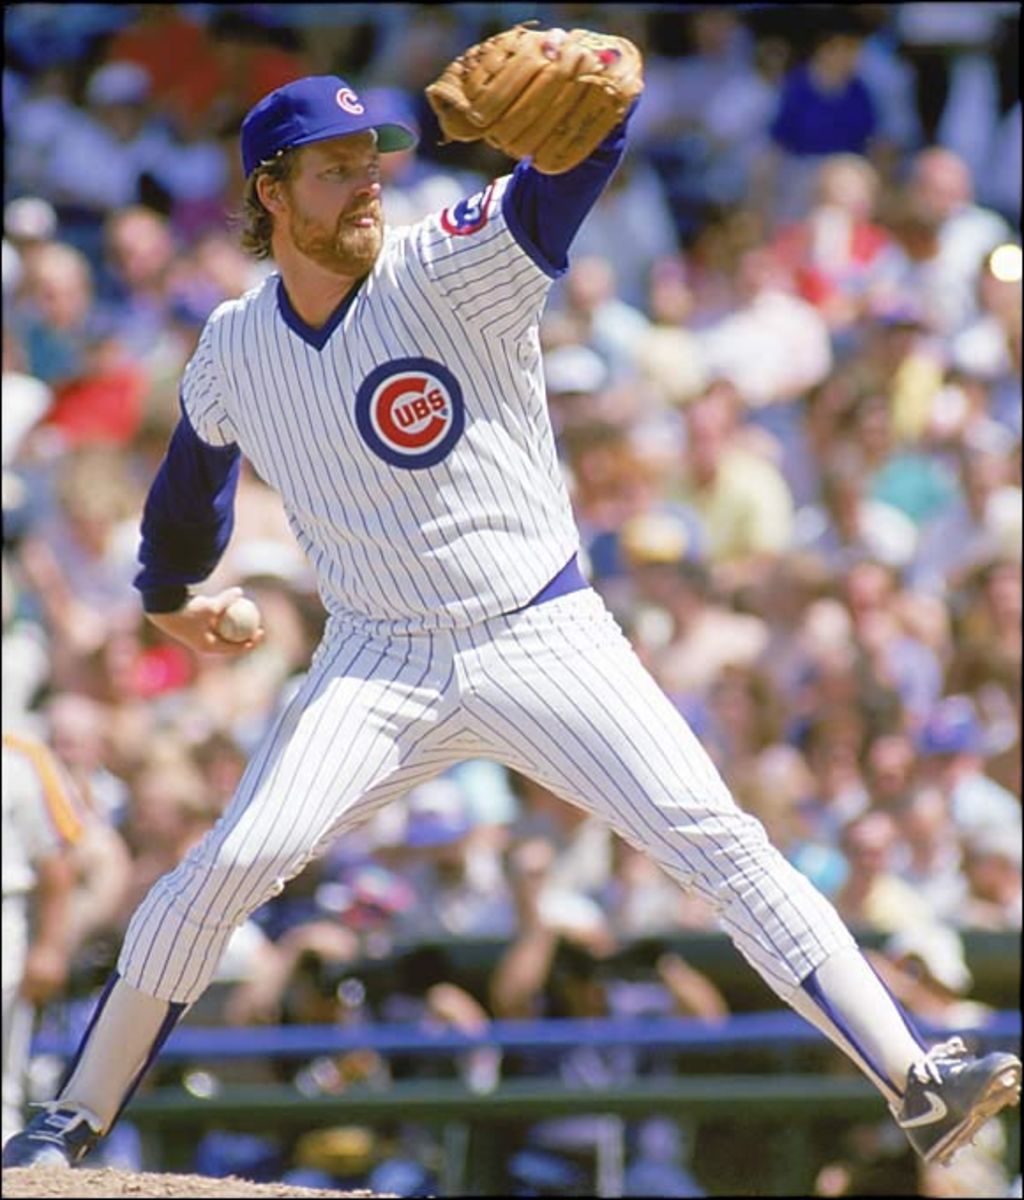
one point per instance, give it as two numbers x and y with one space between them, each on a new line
548 95
240 621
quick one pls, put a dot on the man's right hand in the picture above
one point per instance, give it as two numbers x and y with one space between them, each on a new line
195 625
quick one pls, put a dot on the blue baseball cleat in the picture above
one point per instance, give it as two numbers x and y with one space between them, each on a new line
951 1094
57 1137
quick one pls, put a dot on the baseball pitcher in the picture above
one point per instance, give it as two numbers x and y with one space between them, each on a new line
388 384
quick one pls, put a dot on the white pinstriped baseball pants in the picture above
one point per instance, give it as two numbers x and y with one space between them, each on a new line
554 691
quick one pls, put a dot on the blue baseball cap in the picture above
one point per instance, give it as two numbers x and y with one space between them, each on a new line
312 110
952 727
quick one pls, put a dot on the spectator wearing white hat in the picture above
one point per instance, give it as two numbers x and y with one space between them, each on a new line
993 865
574 370
925 969
29 222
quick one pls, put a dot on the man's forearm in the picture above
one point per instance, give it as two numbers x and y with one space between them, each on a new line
521 973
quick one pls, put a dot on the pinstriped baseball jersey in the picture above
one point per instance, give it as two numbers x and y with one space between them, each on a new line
409 438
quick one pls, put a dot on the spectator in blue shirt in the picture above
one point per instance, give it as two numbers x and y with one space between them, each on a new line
825 108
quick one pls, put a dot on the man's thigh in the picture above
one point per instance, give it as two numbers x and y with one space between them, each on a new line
562 697
360 731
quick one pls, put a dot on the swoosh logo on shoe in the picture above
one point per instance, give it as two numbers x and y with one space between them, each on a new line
936 1111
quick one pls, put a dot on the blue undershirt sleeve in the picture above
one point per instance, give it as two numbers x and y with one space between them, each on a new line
545 212
187 518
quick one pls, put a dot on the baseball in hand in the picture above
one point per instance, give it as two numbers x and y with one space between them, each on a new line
239 621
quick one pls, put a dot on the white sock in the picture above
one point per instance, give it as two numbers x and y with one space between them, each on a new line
127 1030
846 1000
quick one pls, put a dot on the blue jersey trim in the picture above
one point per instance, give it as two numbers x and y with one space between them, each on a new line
317 338
544 212
510 210
569 579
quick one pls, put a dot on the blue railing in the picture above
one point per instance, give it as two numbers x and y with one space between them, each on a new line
741 1031
171 1118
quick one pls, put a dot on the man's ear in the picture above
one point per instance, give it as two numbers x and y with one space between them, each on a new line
269 192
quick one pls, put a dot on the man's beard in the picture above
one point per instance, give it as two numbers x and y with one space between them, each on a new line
345 250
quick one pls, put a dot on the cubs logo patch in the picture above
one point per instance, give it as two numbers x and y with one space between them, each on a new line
349 101
410 412
469 215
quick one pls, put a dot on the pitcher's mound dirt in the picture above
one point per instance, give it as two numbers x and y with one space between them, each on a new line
82 1183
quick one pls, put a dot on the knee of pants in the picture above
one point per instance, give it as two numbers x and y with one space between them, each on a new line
729 866
224 888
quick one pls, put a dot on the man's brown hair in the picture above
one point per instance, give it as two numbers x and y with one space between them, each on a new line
256 223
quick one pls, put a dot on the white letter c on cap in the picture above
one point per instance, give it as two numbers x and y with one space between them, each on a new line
349 101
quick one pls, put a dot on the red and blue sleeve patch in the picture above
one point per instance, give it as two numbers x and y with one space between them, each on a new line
469 215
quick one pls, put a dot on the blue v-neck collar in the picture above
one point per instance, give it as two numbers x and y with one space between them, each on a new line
317 338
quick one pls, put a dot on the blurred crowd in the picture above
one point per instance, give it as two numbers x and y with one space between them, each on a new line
784 371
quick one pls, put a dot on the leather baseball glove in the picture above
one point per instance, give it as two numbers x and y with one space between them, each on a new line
546 94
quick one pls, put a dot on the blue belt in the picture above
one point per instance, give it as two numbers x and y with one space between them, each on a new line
569 579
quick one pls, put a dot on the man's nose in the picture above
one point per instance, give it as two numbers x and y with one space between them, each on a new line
369 185
367 193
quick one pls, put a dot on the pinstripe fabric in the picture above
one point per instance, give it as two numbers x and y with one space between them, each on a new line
559 694
472 535
554 691
356 732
